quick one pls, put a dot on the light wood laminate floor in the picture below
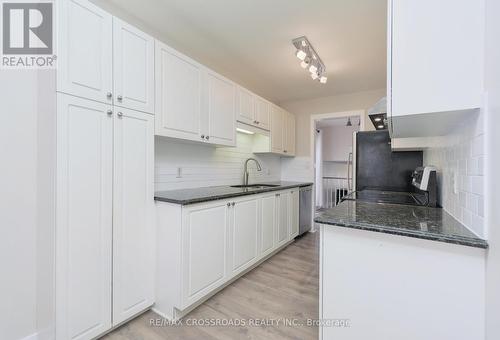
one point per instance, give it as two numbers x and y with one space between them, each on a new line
283 287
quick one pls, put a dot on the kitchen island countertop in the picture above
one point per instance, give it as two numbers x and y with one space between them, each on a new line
405 220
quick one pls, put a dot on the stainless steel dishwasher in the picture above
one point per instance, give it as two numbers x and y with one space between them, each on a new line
305 209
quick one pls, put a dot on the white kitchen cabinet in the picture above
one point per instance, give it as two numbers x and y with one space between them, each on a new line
262 113
294 213
204 249
253 110
289 138
192 102
283 233
178 95
133 214
277 129
133 64
85 51
105 229
246 106
84 218
268 224
244 233
206 245
221 110
435 57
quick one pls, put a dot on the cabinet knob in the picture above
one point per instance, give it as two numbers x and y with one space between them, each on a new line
109 112
257 122
109 95
284 151
228 204
120 98
202 136
233 204
207 137
120 114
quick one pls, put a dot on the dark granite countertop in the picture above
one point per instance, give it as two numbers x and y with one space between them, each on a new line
405 220
198 195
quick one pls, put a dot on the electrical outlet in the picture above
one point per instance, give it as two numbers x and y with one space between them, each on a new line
179 172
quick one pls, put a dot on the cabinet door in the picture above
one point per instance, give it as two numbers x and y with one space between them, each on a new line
246 107
283 218
244 234
290 134
133 211
178 95
221 110
277 128
436 59
294 213
262 113
204 250
268 222
84 218
85 51
133 64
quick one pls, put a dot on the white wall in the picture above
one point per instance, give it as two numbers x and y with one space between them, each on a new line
337 141
18 203
204 165
461 159
492 85
303 110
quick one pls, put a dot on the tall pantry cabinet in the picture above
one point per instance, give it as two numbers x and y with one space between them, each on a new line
105 261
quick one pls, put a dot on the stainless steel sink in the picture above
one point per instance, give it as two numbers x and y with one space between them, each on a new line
255 186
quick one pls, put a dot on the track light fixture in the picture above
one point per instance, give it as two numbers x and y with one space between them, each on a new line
310 59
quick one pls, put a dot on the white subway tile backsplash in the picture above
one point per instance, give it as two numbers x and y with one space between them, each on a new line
203 165
462 155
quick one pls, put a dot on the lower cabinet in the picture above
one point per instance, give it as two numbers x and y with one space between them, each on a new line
283 217
104 232
200 247
294 213
204 249
268 224
244 234
133 214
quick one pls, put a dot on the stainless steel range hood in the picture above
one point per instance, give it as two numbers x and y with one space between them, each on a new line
378 114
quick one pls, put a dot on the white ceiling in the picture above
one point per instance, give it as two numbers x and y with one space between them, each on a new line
249 41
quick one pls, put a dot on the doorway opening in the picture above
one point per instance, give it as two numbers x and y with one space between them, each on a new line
334 156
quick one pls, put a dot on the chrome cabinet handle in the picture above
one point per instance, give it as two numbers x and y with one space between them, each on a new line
109 112
207 137
233 204
202 136
120 98
109 95
228 204
120 114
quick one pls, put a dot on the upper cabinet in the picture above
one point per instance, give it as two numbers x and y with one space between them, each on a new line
85 51
221 110
289 140
178 95
103 58
277 129
281 137
434 64
253 110
262 113
192 102
133 64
